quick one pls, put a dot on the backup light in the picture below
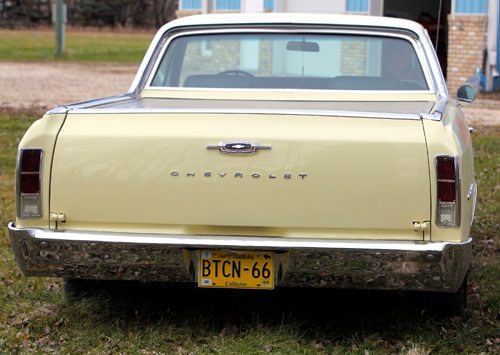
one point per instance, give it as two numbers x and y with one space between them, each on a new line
29 182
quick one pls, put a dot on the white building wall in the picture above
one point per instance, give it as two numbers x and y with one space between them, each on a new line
316 6
252 6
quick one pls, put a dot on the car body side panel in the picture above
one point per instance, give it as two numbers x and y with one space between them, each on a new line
451 137
42 134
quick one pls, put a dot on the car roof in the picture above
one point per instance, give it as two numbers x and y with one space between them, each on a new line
300 19
295 19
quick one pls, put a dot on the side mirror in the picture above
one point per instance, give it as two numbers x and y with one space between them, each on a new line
466 93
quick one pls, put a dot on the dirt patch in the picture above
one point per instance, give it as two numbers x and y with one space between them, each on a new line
37 87
478 116
485 111
41 86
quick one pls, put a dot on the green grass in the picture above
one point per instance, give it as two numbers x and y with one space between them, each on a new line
158 318
83 46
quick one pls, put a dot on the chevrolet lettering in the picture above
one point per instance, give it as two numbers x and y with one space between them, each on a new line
259 151
255 175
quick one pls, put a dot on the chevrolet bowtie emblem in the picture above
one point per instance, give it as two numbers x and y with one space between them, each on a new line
238 147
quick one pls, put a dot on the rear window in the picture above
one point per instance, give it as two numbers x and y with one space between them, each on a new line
290 61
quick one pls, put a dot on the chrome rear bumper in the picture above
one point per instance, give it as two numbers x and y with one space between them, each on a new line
367 264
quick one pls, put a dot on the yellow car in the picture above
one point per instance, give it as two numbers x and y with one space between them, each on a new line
254 152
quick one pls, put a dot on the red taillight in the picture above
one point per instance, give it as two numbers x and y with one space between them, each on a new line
30 160
448 212
29 182
446 177
446 168
29 171
447 191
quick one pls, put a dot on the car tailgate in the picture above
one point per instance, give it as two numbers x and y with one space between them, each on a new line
323 177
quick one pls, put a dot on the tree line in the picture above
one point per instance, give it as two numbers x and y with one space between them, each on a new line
95 13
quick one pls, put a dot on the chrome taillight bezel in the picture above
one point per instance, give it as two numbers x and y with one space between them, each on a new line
37 197
456 205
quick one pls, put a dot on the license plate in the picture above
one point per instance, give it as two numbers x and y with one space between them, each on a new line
236 269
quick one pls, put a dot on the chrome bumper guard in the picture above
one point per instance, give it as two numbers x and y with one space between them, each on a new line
366 264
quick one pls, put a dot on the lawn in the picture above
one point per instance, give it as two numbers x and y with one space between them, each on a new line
84 46
157 318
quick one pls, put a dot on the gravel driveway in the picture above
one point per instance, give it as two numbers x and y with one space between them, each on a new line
40 86
46 85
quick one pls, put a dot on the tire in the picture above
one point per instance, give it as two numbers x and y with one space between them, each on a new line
455 304
75 289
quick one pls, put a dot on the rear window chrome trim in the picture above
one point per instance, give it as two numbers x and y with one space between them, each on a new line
63 109
319 91
417 46
324 113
